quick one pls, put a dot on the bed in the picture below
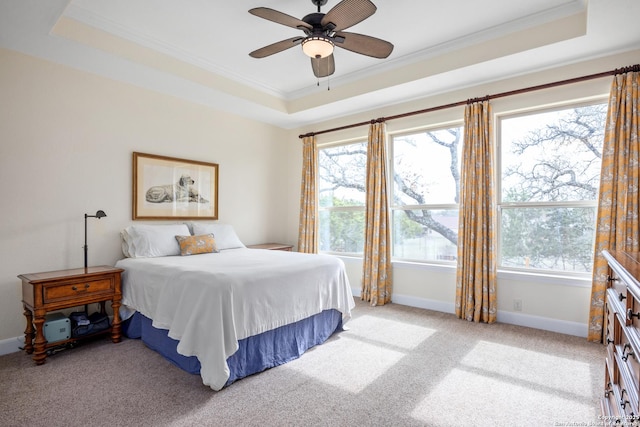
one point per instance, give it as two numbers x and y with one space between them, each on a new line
214 307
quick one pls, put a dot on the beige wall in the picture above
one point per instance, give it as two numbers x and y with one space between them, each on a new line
66 139
66 142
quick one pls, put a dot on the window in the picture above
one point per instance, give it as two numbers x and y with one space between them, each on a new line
425 167
548 177
550 174
341 197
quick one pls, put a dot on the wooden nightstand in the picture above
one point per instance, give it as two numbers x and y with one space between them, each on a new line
57 290
272 246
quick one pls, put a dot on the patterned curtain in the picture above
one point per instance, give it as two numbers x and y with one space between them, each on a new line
376 275
618 205
476 276
307 238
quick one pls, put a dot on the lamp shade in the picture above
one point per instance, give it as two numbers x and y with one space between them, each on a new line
317 47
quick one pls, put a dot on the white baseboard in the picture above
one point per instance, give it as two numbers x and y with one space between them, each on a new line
428 304
520 319
544 323
11 345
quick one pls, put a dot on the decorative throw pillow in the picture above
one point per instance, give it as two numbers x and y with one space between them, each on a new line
193 245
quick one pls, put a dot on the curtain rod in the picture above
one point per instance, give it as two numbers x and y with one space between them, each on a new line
635 68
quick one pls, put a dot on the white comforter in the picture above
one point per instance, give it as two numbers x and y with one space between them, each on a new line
208 302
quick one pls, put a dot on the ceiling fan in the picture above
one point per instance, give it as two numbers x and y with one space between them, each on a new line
323 32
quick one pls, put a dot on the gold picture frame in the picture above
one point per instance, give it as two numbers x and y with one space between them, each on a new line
172 188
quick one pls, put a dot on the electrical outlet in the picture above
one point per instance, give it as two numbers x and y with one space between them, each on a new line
517 305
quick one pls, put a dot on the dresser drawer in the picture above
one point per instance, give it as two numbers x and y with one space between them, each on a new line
628 389
628 360
633 312
86 288
612 329
619 288
611 412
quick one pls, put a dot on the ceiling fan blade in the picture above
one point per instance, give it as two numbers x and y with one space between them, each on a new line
348 13
364 45
279 17
323 67
276 47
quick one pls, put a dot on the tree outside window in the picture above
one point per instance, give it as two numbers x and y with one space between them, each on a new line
548 178
426 188
341 195
550 174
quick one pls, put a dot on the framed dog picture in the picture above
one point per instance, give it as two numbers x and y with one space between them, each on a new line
171 188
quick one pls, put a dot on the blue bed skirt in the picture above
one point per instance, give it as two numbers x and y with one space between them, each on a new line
255 353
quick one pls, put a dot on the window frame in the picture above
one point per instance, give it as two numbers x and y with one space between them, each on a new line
430 207
354 208
500 205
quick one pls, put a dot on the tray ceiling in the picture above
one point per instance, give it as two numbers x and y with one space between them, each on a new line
199 50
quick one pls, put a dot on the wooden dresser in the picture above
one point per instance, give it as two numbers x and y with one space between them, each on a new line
622 337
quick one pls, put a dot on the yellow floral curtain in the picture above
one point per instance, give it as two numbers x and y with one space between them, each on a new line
376 276
476 275
307 240
618 205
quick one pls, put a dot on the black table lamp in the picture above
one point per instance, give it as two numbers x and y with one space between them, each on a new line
99 214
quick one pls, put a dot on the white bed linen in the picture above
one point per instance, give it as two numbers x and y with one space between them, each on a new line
209 302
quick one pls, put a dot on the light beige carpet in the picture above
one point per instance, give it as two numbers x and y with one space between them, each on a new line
395 366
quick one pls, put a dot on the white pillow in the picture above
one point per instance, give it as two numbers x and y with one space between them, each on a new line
127 243
147 241
225 235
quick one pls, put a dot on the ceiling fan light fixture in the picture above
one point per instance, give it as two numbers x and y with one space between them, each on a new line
317 47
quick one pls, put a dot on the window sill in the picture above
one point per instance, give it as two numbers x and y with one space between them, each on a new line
582 281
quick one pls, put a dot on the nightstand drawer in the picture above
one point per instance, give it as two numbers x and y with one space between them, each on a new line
55 293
